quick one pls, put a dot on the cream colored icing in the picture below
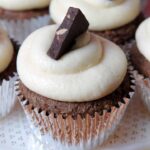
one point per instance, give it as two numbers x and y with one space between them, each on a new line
6 50
101 14
91 71
104 3
23 4
143 38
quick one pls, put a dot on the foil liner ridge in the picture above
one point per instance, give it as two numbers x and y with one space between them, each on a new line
7 95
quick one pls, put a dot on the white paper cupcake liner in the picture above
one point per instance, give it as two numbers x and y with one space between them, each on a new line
69 134
7 95
20 29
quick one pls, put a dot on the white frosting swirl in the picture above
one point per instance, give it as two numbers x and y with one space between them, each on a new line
92 71
102 14
104 3
6 50
143 38
17 5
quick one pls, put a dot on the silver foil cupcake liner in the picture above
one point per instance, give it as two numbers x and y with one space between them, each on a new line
142 87
81 134
142 83
7 95
20 29
57 133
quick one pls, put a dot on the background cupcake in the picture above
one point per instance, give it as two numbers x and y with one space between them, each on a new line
23 9
116 20
20 17
7 73
140 56
76 100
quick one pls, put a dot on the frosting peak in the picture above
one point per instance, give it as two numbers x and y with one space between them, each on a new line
102 14
91 71
6 50
143 38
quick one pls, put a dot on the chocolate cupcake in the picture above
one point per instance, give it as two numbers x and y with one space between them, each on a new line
19 16
7 74
115 20
23 9
75 87
140 56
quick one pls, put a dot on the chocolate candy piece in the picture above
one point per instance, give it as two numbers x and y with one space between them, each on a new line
73 25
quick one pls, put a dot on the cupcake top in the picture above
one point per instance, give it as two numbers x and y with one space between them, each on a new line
18 5
93 69
143 39
102 14
88 69
6 50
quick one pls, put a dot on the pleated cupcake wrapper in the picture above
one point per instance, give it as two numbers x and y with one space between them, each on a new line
72 134
20 29
7 95
126 48
142 83
142 86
